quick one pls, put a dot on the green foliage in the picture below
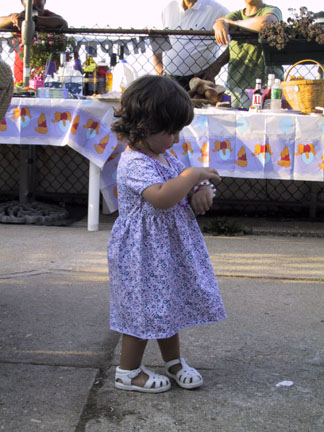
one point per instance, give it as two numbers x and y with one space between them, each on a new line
223 226
300 26
47 43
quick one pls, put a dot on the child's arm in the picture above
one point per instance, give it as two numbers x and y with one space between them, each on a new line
202 199
166 195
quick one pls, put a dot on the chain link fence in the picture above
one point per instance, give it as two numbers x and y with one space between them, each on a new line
62 174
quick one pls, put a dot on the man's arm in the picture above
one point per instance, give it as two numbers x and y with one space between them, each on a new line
213 70
159 46
15 20
158 63
52 21
9 21
223 25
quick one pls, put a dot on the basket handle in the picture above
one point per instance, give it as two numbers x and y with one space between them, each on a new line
302 61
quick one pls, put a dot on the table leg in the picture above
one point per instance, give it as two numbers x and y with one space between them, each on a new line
94 197
27 174
315 186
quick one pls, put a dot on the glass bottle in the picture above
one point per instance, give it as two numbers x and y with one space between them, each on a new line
257 98
102 72
90 73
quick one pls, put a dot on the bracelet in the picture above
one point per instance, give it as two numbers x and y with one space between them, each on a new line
205 183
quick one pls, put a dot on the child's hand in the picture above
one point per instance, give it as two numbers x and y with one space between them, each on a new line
202 200
208 174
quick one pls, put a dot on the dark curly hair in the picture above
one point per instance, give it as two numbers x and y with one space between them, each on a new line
150 105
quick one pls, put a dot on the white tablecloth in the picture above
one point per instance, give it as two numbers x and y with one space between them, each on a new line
242 144
261 145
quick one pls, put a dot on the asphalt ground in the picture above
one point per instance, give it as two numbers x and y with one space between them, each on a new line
57 354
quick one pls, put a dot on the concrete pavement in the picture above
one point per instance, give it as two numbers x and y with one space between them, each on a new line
57 355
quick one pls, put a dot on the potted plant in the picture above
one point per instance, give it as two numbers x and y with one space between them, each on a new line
299 38
36 79
43 46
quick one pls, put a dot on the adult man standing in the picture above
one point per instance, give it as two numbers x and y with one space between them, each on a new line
245 58
44 20
188 55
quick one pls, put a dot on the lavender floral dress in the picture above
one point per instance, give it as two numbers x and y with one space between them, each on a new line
161 278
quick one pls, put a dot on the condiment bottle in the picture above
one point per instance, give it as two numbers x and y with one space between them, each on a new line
276 96
102 76
90 71
257 98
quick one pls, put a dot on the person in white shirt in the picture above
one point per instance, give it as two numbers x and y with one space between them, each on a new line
188 55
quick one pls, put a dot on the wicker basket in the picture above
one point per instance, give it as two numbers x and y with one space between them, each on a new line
304 95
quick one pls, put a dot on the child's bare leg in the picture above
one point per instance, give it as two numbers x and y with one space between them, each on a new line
170 350
131 357
132 352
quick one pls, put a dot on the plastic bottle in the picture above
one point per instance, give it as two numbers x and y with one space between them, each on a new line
257 98
63 59
109 81
50 68
110 74
276 96
267 94
271 80
63 74
123 84
123 73
77 63
63 67
48 80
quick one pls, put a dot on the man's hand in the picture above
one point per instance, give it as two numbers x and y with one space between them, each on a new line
221 30
17 19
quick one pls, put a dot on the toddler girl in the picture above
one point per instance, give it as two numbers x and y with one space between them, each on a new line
161 278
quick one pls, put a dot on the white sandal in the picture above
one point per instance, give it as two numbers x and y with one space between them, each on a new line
187 377
155 384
